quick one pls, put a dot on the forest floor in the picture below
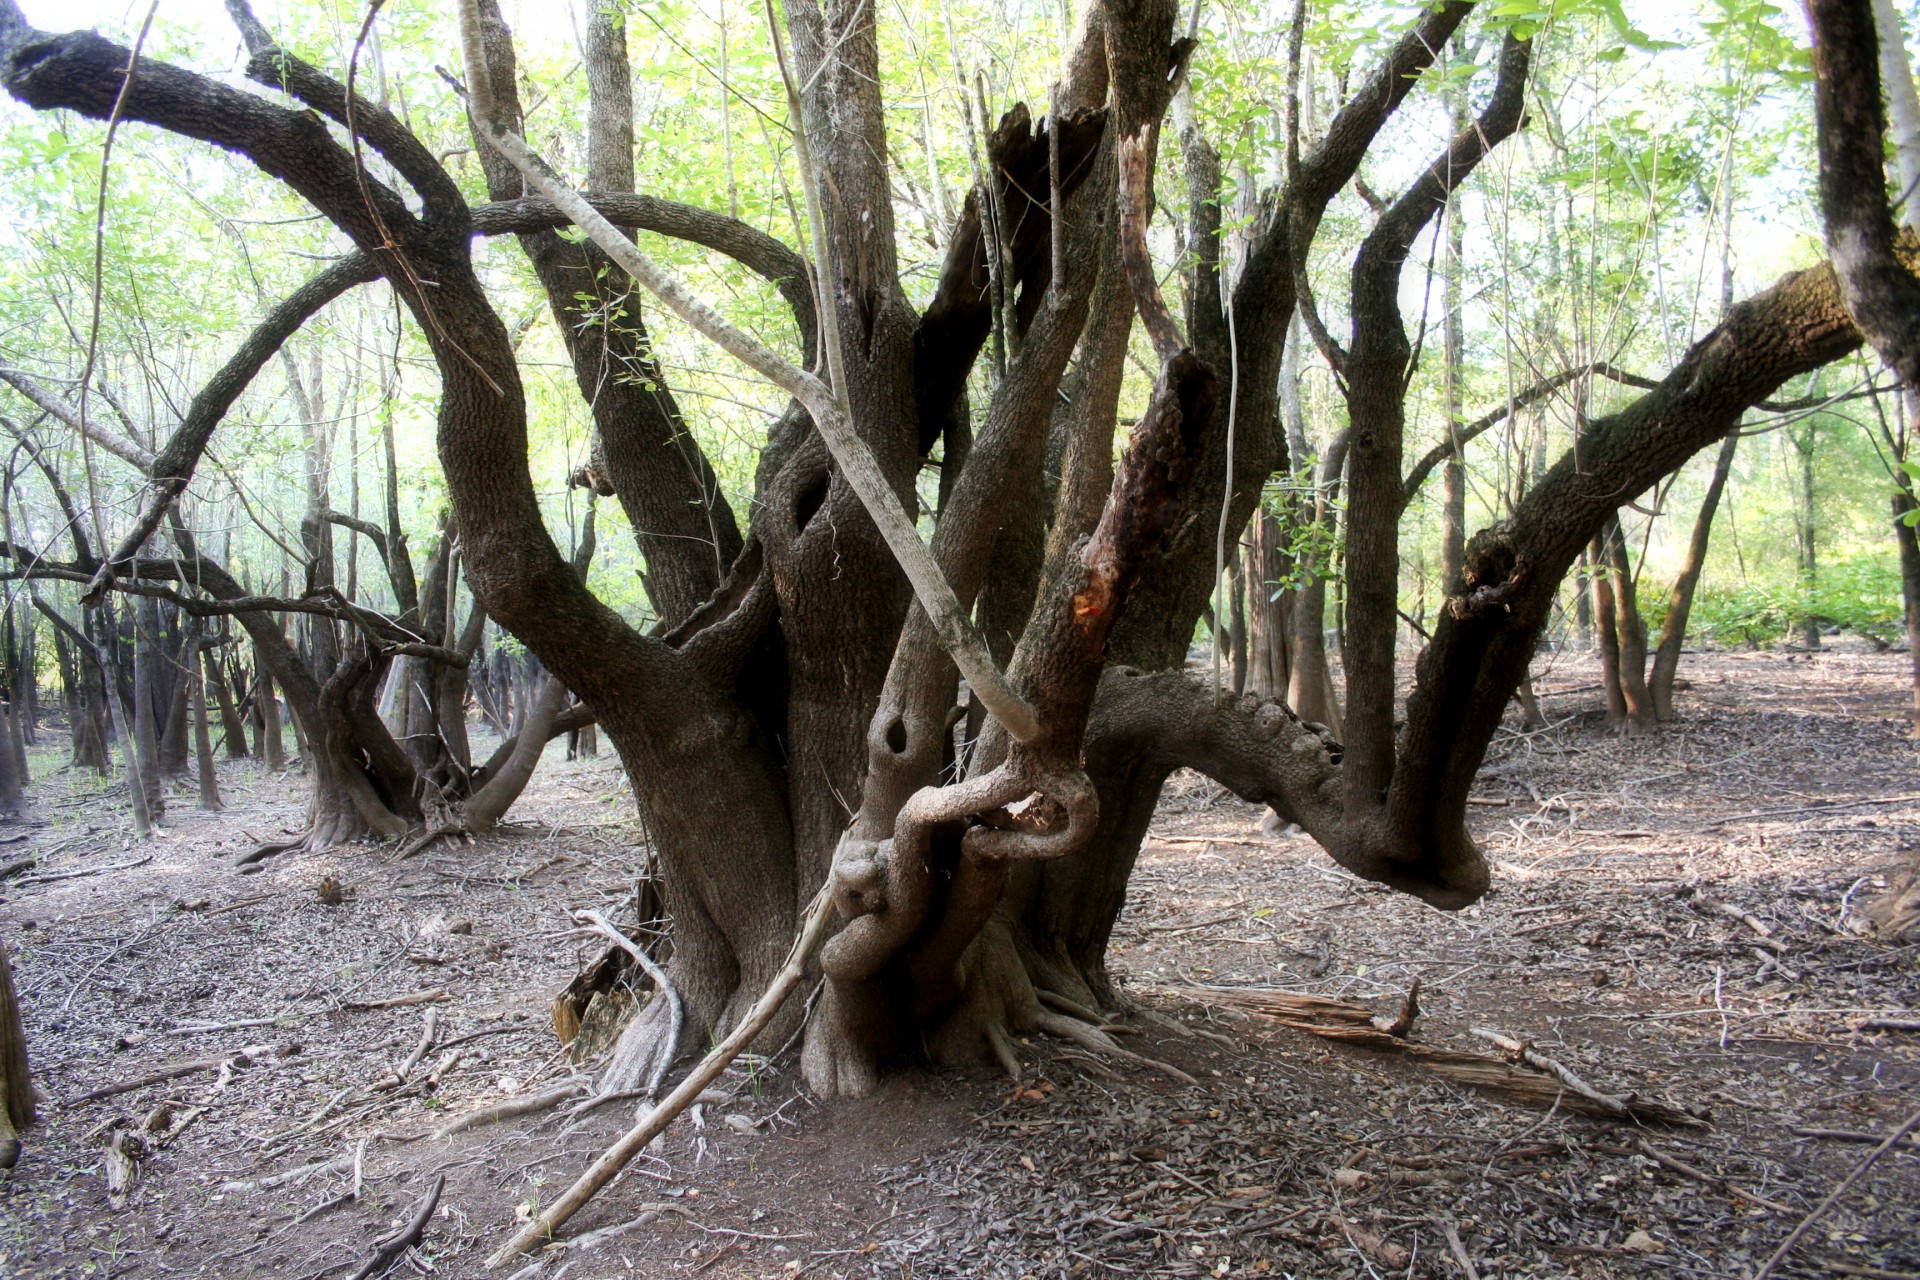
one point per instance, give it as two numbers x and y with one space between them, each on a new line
1789 793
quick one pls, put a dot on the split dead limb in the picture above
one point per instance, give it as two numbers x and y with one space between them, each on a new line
677 1014
388 1248
813 932
1526 1055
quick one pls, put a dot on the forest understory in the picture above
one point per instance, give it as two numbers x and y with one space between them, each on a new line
1633 880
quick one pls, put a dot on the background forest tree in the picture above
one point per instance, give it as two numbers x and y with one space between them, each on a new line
1443 330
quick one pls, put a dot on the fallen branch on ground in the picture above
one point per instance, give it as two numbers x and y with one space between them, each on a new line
433 996
1706 1179
388 1248
1819 1210
250 1056
1354 1023
508 1110
52 876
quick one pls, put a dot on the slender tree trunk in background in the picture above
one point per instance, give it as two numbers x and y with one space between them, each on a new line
1269 610
16 1083
1806 627
145 733
1605 633
194 681
1453 505
12 778
587 744
1237 621
233 726
176 741
27 680
1583 601
1673 631
271 747
1908 536
1632 644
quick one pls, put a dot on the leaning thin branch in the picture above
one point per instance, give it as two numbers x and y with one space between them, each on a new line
813 931
856 461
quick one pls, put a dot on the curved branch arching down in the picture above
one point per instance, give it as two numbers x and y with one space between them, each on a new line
1486 636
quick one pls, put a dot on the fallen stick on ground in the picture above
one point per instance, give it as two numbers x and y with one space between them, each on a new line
1459 1252
1526 1055
509 1109
1819 1210
15 868
813 932
1849 1135
393 1002
301 1173
247 1057
52 876
1810 808
1701 1176
1891 1024
386 1249
1353 1023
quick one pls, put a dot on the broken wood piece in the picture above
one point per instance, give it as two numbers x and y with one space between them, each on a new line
433 996
1891 1024
1849 1135
1459 1251
1747 918
1353 1023
390 1247
1402 1022
1706 1179
509 1109
15 868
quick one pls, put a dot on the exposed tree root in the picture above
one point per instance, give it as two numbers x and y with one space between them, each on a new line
1092 1037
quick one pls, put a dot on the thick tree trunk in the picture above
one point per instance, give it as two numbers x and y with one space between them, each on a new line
16 1082
1673 631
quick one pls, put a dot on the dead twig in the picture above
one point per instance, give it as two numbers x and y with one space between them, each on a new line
247 1057
508 1110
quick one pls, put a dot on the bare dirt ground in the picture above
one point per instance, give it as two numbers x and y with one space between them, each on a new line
1789 794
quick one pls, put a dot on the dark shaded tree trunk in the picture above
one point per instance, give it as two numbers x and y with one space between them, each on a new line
197 712
233 725
16 1081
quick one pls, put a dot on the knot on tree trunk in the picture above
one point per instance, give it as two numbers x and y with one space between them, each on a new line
1493 574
